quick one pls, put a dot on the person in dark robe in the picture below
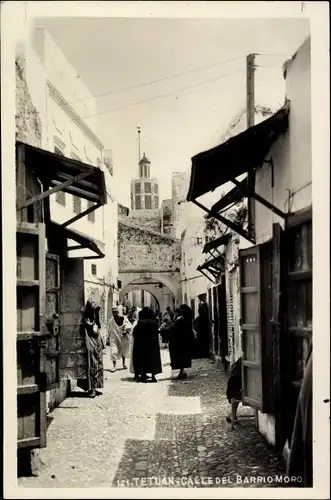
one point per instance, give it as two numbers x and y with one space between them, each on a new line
181 340
146 348
94 347
300 462
202 327
234 392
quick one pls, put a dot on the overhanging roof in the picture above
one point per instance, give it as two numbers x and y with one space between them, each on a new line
83 241
236 156
53 169
211 245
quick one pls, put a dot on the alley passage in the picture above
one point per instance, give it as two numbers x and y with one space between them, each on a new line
172 429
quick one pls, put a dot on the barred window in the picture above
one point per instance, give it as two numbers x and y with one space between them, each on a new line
61 197
91 215
77 204
148 202
138 203
148 187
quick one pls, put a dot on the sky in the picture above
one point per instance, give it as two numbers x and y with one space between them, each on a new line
200 68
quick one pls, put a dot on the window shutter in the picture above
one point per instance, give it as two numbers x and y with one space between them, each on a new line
31 376
251 326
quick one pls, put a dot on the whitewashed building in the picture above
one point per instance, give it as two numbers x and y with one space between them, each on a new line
64 106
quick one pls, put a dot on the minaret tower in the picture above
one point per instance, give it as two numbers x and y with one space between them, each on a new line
144 189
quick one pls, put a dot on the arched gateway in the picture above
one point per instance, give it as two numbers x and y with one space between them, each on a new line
149 261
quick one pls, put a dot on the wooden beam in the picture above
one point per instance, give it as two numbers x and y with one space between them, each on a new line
53 190
250 115
257 197
235 227
74 247
82 214
81 193
206 276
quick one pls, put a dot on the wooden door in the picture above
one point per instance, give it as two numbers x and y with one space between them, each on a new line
193 308
52 299
73 360
251 326
210 317
31 376
215 321
223 322
298 312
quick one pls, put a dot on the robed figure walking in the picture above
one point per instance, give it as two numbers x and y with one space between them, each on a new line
119 333
181 340
94 348
146 349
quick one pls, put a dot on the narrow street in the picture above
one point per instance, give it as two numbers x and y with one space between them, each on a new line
169 431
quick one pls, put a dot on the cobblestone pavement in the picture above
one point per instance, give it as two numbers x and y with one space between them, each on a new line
172 433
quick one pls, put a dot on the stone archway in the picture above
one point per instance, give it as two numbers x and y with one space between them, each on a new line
163 294
139 289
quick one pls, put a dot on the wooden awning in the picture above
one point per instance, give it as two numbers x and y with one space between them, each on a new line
240 154
59 173
212 245
83 242
215 267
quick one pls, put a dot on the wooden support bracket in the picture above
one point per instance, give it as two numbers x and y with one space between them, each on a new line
257 197
235 227
53 190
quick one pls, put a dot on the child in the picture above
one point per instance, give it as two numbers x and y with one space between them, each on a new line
234 392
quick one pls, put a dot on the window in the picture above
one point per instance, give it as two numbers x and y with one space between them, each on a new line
145 170
156 189
148 187
199 241
137 188
91 215
141 170
148 202
119 284
138 202
60 196
156 202
77 204
94 269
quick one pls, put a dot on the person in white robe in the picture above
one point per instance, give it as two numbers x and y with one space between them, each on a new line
119 332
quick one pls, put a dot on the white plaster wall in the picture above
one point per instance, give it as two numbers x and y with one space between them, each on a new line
291 153
64 77
45 62
291 156
267 427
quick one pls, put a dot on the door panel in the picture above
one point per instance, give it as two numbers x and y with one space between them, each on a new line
216 321
31 377
52 320
251 327
223 323
73 360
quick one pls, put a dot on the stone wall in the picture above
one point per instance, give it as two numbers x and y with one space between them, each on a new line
141 249
28 123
